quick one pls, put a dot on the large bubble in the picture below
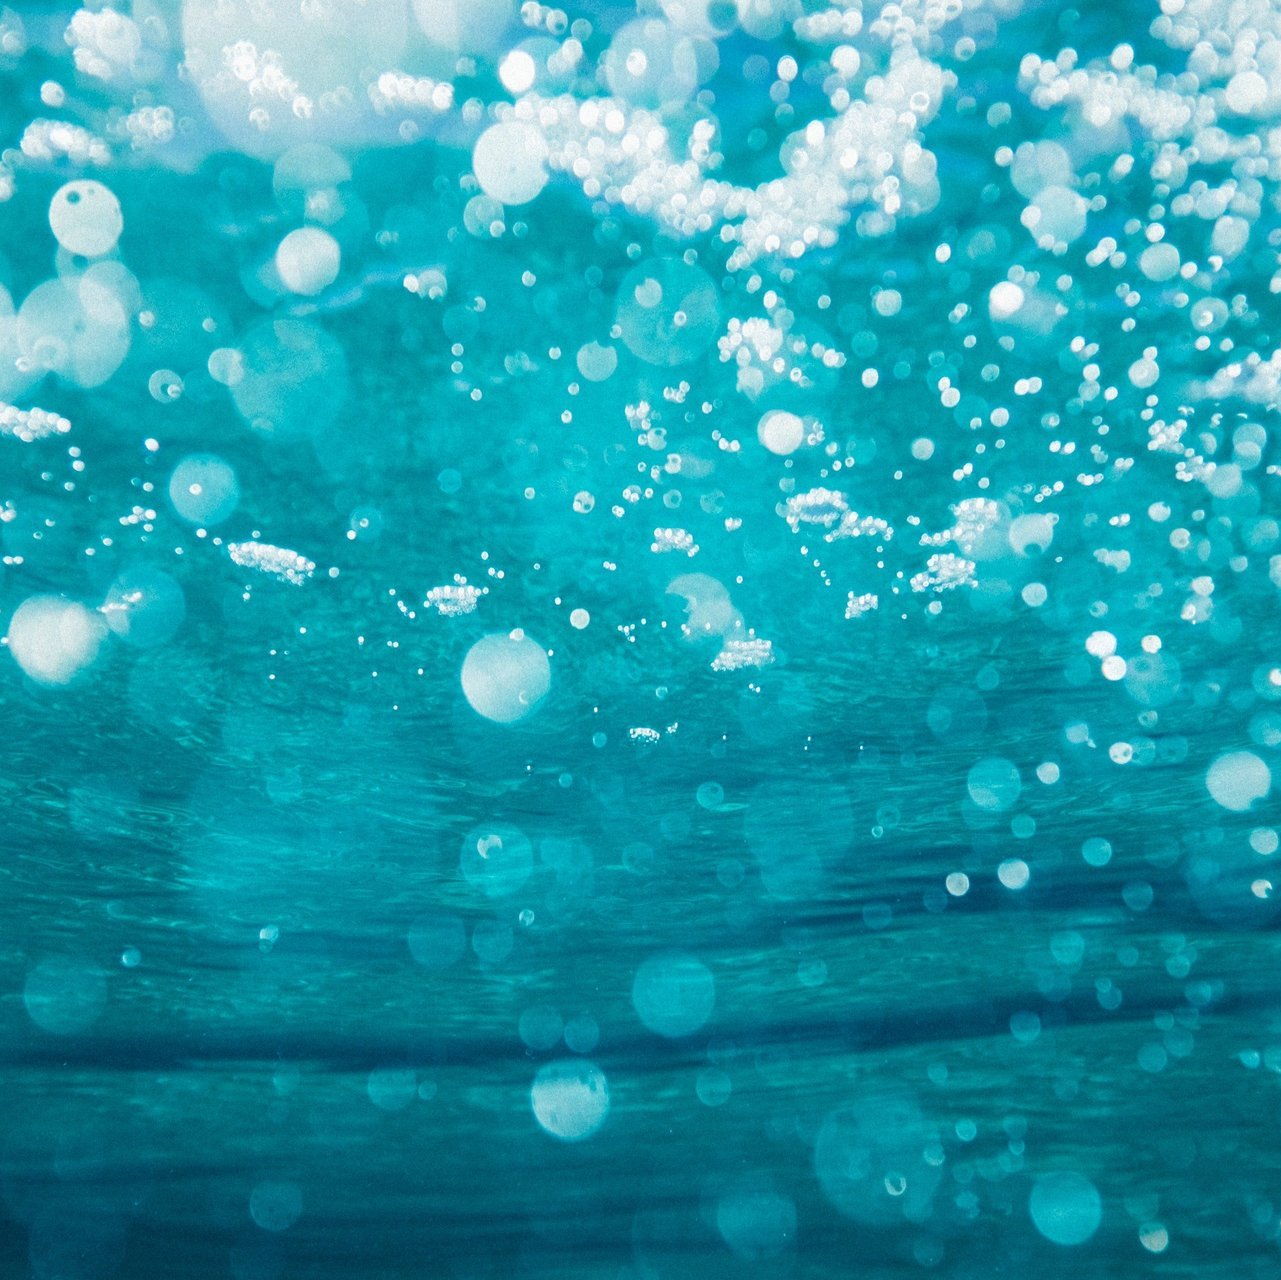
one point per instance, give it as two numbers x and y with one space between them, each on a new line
674 994
1065 1208
306 172
307 261
651 64
76 327
1238 779
1056 217
53 639
780 432
294 379
274 75
203 489
275 1206
85 217
144 607
464 26
510 161
872 1161
65 995
994 784
756 1220
668 311
505 677
570 1099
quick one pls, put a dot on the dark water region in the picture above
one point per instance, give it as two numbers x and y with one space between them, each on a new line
640 641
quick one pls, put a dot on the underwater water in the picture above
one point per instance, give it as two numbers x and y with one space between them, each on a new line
642 640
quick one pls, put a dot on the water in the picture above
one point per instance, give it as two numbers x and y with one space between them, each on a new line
639 644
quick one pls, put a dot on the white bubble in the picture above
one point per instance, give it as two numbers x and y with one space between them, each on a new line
204 489
1005 299
483 217
165 386
517 71
1100 644
275 1206
780 432
994 784
1031 531
1159 262
570 1099
86 219
307 260
65 995
1154 1237
1230 235
1114 667
1013 873
1237 779
709 609
505 677
1065 1208
1264 840
579 619
53 639
510 161
226 365
1247 91
1056 216
596 362
889 302
674 994
1038 165
77 327
1144 372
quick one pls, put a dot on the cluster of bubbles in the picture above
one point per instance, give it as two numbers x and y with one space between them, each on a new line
720 427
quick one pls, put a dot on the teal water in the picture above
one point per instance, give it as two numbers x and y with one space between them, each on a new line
641 641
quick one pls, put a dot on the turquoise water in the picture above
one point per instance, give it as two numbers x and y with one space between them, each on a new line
640 643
